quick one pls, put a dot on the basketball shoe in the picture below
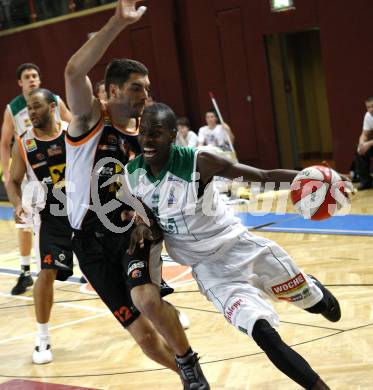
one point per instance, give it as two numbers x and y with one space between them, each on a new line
333 310
42 353
191 373
24 280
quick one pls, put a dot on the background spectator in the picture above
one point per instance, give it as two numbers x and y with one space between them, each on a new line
365 148
185 137
214 133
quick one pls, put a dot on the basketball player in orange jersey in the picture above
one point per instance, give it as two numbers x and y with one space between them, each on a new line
16 122
98 136
40 154
234 269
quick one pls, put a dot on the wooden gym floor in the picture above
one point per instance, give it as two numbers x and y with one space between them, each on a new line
91 349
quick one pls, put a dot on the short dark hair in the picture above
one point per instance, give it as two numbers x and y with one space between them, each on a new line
47 94
169 117
183 121
26 66
213 111
119 71
369 99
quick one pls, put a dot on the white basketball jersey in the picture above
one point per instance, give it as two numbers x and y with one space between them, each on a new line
192 218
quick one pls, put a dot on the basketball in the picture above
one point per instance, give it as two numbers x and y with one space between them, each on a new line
318 192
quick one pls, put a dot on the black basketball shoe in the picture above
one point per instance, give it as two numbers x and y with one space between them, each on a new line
333 310
24 281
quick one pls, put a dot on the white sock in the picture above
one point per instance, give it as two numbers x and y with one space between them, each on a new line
43 330
25 260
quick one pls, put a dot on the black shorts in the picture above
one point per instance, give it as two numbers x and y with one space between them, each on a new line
104 260
53 240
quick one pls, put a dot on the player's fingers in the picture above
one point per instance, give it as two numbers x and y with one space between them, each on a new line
132 245
140 12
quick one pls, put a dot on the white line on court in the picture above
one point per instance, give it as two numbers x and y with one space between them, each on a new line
54 327
186 272
66 304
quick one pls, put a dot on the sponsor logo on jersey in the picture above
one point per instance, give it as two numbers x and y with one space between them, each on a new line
229 311
54 150
30 145
174 178
135 274
38 165
112 139
57 172
291 285
112 148
40 156
172 198
27 122
136 264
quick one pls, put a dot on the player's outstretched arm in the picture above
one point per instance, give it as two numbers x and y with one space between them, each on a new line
210 165
79 92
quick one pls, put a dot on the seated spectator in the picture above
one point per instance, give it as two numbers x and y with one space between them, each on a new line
100 91
185 137
365 148
215 134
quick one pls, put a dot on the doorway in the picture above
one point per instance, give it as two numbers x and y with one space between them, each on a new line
299 98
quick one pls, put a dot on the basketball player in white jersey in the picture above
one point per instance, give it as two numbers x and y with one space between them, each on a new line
16 122
40 153
234 269
99 134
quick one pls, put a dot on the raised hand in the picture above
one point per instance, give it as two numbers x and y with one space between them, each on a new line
127 13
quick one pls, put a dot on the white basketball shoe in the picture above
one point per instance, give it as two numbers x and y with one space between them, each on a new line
42 353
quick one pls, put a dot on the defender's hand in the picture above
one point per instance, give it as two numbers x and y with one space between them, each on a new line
138 235
127 13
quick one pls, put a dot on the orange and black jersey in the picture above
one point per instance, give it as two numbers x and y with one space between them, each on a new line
92 160
45 166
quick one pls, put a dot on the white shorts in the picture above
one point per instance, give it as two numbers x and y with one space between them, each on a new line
255 268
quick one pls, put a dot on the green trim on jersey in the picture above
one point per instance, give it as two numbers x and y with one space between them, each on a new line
19 103
180 163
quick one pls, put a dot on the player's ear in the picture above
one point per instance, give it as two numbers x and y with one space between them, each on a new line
113 91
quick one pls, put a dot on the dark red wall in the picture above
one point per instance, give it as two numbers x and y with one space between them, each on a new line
187 45
151 41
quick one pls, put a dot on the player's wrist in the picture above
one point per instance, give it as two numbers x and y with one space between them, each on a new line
118 22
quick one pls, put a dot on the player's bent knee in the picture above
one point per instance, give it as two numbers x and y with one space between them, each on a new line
146 299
